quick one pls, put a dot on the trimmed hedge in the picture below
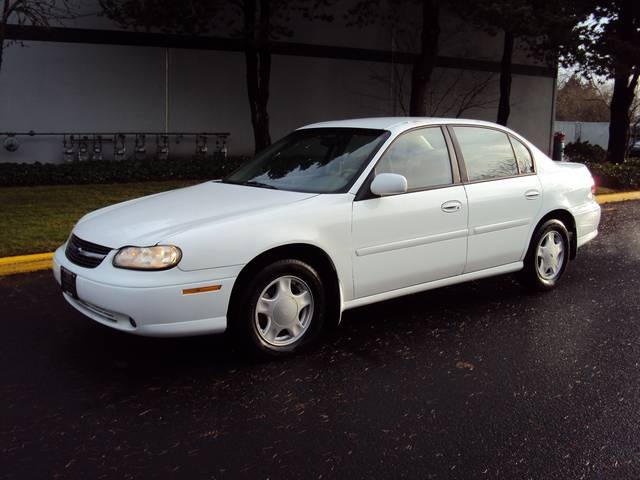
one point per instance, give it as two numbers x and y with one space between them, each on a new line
623 176
110 171
620 176
584 152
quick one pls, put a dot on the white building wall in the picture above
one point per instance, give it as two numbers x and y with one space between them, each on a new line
91 88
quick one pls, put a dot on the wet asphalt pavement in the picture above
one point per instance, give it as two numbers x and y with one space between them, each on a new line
480 380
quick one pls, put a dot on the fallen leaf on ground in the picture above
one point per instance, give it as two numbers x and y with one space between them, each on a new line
465 365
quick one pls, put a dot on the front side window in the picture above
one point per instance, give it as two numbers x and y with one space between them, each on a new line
525 162
421 156
487 153
315 160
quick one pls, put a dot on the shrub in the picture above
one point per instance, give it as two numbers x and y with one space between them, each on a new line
623 176
110 171
584 152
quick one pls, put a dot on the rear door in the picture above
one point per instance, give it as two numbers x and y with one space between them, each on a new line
418 236
503 191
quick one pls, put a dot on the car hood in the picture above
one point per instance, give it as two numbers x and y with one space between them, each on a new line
148 220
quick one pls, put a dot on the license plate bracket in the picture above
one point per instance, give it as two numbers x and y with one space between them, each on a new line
68 282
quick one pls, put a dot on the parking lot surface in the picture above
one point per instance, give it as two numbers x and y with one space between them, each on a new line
480 380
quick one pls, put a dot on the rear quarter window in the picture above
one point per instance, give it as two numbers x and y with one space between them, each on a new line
523 156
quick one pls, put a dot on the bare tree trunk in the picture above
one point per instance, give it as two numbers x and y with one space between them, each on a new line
504 104
623 93
258 65
625 82
426 61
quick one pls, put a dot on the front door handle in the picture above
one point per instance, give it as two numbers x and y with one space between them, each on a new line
532 194
452 206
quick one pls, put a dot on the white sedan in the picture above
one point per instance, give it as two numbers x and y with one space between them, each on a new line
333 216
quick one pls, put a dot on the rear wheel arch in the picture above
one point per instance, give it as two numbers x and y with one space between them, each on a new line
310 254
570 224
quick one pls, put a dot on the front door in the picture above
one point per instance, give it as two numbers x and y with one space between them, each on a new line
415 237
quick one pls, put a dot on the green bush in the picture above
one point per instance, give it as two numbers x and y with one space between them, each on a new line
621 176
584 152
110 171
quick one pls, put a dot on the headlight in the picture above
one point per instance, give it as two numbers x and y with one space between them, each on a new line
159 257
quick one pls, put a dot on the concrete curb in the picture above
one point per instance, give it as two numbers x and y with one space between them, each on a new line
42 261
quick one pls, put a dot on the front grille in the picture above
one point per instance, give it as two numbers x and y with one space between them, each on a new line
85 254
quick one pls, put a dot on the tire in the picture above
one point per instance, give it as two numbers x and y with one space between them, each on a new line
281 310
547 257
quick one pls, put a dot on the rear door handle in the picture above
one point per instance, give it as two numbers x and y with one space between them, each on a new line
451 206
532 194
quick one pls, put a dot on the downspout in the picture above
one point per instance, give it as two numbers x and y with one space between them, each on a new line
392 77
166 90
553 110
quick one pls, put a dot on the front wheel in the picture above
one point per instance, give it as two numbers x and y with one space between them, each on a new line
281 309
548 256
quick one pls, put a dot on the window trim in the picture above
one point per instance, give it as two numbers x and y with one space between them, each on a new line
461 163
364 192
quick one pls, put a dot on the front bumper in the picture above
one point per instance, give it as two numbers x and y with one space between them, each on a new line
150 303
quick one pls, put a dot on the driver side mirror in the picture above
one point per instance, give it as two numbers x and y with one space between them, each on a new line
388 184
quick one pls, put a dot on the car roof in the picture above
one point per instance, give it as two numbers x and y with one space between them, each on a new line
396 123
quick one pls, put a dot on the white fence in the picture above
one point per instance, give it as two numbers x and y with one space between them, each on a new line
596 133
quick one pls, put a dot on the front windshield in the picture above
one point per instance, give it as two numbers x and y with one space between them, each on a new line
316 160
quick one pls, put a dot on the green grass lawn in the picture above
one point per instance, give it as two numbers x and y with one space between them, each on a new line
39 219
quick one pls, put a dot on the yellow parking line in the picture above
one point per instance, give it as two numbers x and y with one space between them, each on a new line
25 263
618 197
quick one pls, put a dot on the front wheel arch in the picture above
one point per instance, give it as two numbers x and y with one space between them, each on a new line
311 254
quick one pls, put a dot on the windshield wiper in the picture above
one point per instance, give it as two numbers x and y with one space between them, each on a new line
250 183
253 183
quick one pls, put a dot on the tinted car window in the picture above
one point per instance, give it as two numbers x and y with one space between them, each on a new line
487 153
421 156
523 156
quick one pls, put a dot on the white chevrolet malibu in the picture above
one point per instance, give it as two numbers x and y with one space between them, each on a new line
333 216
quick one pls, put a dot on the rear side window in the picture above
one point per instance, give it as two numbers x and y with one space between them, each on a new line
421 156
523 156
487 153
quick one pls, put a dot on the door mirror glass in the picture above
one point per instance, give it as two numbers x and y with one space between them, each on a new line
388 184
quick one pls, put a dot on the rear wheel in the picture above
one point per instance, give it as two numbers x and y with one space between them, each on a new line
282 308
548 256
